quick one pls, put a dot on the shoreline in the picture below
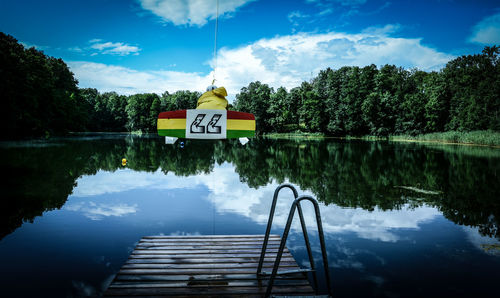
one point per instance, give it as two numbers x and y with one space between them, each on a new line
489 139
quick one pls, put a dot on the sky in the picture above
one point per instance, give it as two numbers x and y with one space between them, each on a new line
137 46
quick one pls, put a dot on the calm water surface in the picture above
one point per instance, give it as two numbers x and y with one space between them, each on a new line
400 219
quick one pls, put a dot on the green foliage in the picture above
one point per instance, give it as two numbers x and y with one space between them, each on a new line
474 84
41 98
141 110
40 94
256 99
180 100
278 110
438 102
480 137
311 111
354 101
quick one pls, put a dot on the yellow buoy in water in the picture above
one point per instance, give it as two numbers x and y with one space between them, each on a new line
124 162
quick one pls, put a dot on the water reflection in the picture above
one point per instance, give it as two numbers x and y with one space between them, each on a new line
99 211
364 176
385 208
229 195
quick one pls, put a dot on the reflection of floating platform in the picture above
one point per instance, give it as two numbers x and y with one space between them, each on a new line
223 265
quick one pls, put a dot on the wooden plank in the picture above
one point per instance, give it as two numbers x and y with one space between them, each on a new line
204 247
205 265
209 290
192 271
277 239
200 242
214 265
201 255
198 283
204 260
126 277
207 243
203 251
224 237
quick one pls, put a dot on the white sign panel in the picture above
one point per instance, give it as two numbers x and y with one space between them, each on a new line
206 124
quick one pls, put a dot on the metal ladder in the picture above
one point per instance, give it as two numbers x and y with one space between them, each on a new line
295 205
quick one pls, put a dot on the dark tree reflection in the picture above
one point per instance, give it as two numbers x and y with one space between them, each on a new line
463 181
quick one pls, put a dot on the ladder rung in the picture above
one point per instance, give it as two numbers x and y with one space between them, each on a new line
288 271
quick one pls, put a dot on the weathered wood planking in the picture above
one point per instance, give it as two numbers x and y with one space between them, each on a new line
219 265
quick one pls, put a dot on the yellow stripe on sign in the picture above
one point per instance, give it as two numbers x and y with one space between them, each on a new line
239 124
173 123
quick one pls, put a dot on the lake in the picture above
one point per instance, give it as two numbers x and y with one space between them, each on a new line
400 219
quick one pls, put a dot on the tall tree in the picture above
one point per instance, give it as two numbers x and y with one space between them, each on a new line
40 94
139 112
311 111
278 112
255 99
438 102
474 84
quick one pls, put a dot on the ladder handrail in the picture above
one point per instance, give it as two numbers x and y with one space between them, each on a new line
269 225
295 205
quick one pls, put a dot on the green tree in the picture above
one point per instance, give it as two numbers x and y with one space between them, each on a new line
438 102
311 111
412 109
139 112
327 86
154 111
278 112
256 99
474 84
40 94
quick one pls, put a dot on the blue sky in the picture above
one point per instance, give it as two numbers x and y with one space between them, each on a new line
132 46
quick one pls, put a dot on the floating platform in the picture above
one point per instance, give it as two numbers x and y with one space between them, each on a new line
206 124
219 265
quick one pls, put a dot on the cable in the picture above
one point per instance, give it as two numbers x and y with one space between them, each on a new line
215 42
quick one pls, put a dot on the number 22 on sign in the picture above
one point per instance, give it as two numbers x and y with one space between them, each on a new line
206 124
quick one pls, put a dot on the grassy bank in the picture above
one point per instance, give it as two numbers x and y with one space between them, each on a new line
481 137
293 135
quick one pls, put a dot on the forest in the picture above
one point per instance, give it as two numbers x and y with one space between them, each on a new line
41 98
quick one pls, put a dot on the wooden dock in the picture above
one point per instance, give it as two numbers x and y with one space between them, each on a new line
214 266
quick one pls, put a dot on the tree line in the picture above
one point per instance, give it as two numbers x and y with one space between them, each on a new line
356 101
41 98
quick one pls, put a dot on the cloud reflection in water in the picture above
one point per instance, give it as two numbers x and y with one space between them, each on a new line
99 211
230 195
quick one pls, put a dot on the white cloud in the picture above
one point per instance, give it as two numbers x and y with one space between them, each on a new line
487 31
294 15
190 12
128 81
289 60
229 195
280 61
341 2
114 48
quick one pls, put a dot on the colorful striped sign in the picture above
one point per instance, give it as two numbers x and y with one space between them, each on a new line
238 124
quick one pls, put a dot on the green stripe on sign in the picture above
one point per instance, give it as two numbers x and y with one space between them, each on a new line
181 133
231 134
178 133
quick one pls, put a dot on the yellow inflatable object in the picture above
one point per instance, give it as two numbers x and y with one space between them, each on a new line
213 99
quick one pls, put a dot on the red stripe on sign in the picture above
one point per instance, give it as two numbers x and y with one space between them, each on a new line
240 115
172 114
